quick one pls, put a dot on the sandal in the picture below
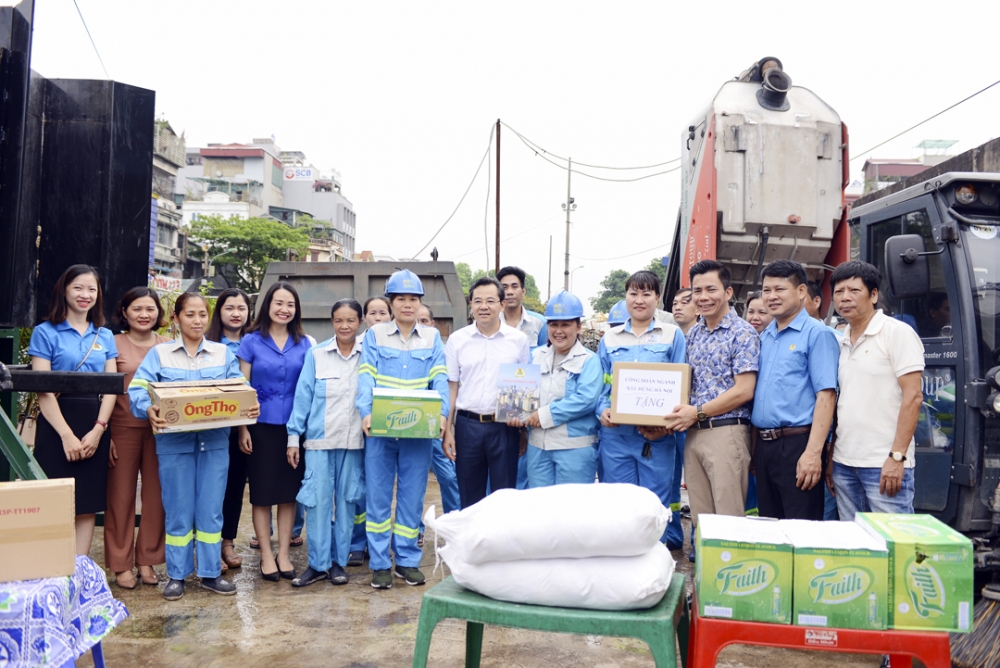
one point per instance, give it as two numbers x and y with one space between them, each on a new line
297 541
254 543
230 558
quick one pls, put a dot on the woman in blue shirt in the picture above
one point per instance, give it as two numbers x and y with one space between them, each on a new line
72 440
230 322
271 357
325 413
193 464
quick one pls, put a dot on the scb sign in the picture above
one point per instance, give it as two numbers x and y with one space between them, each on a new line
301 174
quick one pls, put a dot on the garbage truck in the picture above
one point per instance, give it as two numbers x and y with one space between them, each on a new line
765 166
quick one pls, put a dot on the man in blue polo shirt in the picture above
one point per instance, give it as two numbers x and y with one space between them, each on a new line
794 398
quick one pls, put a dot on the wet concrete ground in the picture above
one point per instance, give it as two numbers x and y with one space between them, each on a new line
354 626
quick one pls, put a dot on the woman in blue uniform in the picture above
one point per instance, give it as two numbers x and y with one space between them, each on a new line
230 322
398 355
562 434
641 456
193 464
72 439
325 413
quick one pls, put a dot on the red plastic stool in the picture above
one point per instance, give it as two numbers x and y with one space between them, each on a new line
709 636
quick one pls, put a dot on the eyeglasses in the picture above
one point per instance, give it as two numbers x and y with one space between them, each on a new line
488 302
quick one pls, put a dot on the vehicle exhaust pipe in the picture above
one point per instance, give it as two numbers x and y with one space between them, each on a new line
774 90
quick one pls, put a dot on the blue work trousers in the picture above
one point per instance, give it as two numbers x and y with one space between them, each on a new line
621 454
484 450
403 463
359 537
444 472
675 530
193 485
559 467
332 484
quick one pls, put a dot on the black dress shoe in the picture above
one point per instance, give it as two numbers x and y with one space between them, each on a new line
270 577
308 577
356 558
287 575
219 585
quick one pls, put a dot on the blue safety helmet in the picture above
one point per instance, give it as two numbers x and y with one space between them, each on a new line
618 314
564 306
404 282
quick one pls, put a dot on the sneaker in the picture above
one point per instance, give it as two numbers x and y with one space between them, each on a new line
382 580
174 590
218 585
356 558
412 576
308 577
338 575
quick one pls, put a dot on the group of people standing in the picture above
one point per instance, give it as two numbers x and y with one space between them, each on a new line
762 401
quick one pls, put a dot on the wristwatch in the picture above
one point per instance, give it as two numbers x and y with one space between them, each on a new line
897 456
701 414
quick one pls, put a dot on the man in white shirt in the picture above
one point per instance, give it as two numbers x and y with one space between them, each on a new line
881 363
479 446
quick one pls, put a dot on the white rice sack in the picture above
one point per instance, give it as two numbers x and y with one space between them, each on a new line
596 583
577 521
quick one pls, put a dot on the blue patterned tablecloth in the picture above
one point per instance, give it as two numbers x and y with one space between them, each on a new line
54 620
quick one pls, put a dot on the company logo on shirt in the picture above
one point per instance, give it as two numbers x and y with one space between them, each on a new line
791 347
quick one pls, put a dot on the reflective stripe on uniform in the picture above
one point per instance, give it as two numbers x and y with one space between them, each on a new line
203 537
139 382
675 507
405 532
608 378
381 380
367 368
361 519
437 370
180 541
378 527
752 512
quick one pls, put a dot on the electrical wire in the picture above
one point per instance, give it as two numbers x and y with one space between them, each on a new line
535 146
99 59
622 257
929 118
513 236
591 176
485 156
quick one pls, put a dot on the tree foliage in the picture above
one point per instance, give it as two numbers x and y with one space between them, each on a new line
532 299
656 266
241 248
464 276
613 291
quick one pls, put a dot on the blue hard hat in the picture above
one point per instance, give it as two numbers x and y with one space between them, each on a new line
564 306
404 282
618 314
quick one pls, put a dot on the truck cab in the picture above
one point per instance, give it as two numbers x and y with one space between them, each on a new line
937 246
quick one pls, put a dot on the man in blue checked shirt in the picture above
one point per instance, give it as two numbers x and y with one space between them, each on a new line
794 399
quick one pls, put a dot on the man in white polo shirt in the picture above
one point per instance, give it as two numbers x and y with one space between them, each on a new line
479 446
881 361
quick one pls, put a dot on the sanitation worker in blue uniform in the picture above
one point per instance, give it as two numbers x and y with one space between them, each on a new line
641 456
194 465
403 356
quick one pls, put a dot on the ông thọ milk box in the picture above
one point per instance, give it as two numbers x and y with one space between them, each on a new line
930 572
743 570
406 413
840 575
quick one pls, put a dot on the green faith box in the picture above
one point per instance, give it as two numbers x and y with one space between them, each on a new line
406 413
841 575
930 572
743 570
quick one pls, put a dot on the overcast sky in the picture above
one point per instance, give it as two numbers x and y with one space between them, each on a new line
400 98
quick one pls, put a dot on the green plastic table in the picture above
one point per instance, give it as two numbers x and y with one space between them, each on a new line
663 627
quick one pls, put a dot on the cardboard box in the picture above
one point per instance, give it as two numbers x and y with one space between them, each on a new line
406 413
37 529
642 393
930 572
840 575
195 405
743 570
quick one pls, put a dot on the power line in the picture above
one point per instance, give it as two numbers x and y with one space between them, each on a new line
535 146
99 59
485 156
513 236
622 257
929 118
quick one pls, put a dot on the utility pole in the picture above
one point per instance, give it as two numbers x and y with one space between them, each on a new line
569 206
548 295
497 271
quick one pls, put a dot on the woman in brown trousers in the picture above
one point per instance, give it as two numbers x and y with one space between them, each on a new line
133 451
